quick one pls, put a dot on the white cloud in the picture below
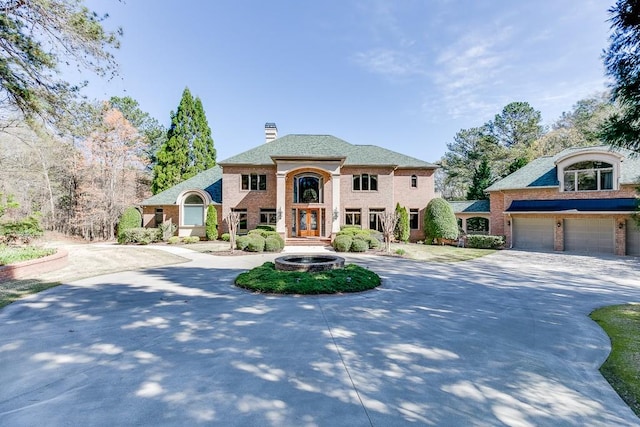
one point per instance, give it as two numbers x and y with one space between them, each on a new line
389 62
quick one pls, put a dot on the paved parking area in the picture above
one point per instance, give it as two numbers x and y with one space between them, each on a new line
501 340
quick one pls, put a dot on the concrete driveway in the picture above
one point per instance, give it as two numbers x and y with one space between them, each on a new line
502 340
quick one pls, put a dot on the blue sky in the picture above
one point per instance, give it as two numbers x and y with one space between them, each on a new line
405 75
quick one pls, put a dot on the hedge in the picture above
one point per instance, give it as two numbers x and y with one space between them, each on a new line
480 241
273 244
242 242
140 235
256 243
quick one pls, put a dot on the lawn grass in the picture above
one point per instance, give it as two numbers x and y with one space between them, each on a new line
14 254
622 367
438 253
13 290
265 278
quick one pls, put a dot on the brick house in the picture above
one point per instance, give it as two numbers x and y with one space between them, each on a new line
581 199
306 186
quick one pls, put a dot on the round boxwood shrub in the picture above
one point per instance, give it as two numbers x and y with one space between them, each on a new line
191 239
242 242
225 237
342 243
173 240
359 245
439 221
373 242
272 244
256 243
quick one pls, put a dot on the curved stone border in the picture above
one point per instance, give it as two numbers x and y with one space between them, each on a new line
309 262
34 267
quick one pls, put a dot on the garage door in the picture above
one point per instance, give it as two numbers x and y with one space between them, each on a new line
533 233
633 238
589 235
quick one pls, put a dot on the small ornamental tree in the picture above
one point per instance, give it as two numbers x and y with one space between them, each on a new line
388 221
129 219
233 221
440 222
212 223
402 227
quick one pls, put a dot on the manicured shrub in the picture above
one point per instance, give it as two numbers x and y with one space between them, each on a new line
342 243
260 232
402 226
141 236
373 242
400 252
256 243
173 240
225 237
212 223
272 244
130 218
191 239
439 221
242 242
266 227
479 241
359 245
350 230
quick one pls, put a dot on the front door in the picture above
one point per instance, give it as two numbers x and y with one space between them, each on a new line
308 222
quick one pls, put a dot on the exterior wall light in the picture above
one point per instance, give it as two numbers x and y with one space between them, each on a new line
559 224
336 213
621 225
279 214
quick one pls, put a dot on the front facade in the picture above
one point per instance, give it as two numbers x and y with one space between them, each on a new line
580 200
306 186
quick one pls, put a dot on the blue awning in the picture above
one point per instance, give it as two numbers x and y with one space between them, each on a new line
575 205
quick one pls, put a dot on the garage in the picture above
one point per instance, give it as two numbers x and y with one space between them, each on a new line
533 233
633 238
593 235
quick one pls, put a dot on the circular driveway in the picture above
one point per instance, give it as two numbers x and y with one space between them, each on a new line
501 340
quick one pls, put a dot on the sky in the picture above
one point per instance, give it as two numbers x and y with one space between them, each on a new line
406 75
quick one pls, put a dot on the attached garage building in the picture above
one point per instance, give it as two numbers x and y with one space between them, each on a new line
576 225
533 233
633 238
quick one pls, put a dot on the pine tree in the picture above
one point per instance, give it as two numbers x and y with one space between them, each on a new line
480 181
188 149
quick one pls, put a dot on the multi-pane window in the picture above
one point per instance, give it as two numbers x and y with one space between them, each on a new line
353 217
365 182
375 219
588 176
242 225
414 181
193 210
254 182
159 217
307 189
414 219
268 216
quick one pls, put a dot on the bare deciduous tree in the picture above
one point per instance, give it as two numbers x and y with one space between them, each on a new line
388 220
233 221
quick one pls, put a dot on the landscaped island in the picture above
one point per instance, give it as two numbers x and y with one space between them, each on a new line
265 278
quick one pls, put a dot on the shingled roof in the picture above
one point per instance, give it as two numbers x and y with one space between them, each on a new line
324 147
209 181
542 172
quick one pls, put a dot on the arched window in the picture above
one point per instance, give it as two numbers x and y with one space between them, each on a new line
414 181
588 176
193 210
307 188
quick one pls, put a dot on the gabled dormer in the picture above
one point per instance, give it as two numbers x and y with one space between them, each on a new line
591 169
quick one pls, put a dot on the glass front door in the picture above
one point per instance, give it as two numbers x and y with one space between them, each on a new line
308 222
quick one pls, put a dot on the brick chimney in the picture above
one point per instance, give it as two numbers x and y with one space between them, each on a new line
270 132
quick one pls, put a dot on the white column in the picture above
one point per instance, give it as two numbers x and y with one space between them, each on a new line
335 190
281 192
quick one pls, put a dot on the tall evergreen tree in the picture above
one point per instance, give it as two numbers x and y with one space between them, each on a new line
622 62
480 181
188 149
